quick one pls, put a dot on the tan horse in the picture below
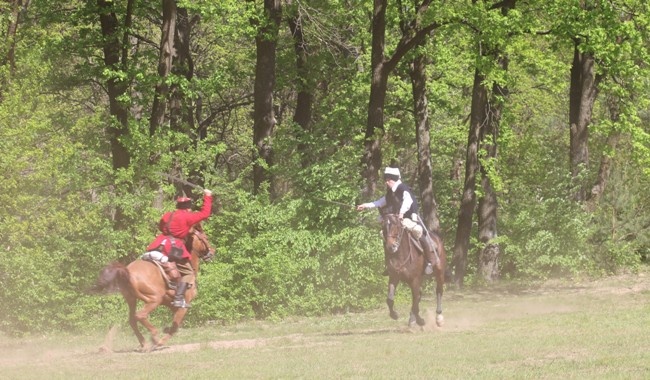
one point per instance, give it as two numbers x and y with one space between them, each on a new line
406 263
142 280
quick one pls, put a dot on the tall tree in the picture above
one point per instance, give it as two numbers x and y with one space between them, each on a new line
305 97
488 96
604 37
174 62
9 50
116 48
616 54
490 252
181 109
468 199
8 57
605 167
165 61
422 134
382 66
582 96
263 113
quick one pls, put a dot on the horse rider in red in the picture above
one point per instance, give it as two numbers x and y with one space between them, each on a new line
175 226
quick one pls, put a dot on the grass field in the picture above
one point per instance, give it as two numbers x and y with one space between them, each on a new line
561 330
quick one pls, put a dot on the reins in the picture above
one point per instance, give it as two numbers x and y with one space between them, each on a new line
202 237
395 247
398 241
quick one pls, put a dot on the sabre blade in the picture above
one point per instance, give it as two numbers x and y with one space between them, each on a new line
334 202
182 181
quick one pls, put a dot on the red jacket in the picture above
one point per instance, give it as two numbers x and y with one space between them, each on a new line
179 227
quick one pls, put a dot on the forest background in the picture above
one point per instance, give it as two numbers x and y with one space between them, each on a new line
530 116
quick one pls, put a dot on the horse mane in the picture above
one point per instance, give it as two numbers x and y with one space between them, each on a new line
197 227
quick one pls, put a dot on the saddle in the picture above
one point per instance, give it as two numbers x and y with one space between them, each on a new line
169 272
416 242
418 245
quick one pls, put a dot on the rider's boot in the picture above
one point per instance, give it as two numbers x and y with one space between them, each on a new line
179 298
429 254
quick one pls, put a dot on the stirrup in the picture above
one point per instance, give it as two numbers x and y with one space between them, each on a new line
428 269
181 304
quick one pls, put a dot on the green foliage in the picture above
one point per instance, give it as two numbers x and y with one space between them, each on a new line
306 252
267 266
621 236
548 238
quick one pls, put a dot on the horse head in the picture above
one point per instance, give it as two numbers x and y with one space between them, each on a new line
199 244
392 230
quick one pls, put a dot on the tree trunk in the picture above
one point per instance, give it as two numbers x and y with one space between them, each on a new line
489 255
484 129
429 210
468 200
412 35
583 92
165 59
305 98
264 118
487 221
9 57
371 160
181 107
181 116
17 6
115 58
604 170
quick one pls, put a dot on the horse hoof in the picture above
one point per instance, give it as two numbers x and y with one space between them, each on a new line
159 347
143 349
440 320
394 315
420 321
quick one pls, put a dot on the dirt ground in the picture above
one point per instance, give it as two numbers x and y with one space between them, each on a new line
497 303
460 313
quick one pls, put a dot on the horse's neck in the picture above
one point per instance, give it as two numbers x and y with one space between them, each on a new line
194 261
406 242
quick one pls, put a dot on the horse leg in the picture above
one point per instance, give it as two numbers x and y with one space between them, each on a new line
441 274
179 315
133 322
440 286
142 316
390 299
416 294
108 341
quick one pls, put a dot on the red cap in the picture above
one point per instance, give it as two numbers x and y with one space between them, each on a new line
183 199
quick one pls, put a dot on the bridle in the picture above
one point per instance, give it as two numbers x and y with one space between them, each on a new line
398 238
202 237
392 221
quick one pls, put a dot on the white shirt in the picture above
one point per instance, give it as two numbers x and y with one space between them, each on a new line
381 202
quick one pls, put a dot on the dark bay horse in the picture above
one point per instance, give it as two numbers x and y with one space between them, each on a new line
406 263
142 280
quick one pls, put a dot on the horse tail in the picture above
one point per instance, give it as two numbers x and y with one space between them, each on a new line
112 278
